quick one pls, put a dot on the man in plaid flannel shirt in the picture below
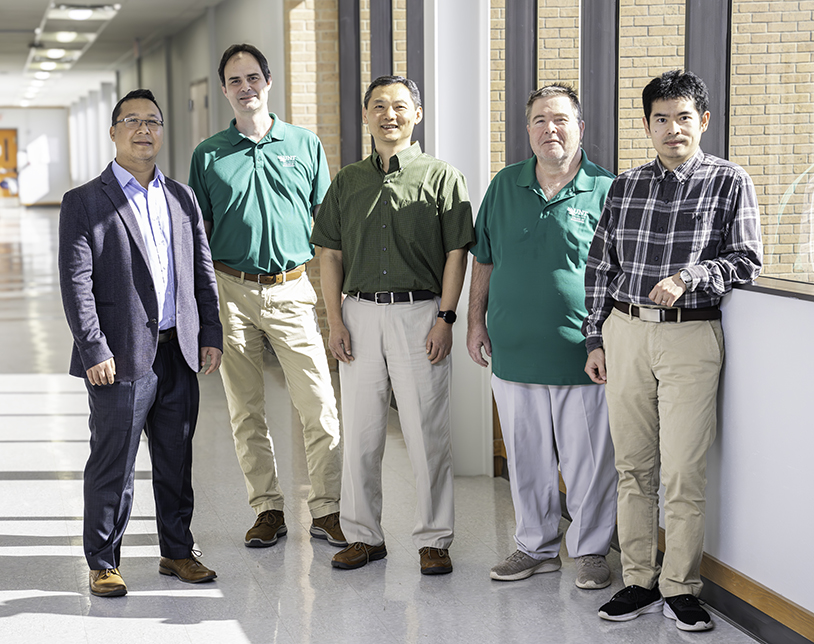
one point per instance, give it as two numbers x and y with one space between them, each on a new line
674 237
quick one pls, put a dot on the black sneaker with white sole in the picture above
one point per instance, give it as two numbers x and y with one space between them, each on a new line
687 612
630 602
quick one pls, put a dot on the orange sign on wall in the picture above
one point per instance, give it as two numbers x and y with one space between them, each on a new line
8 163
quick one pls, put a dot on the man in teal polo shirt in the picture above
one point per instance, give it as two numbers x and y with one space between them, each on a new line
533 233
258 183
394 230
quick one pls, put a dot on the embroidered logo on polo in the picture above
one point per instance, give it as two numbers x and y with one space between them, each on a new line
287 161
580 216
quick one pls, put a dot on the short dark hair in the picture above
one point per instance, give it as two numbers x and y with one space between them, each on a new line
675 84
383 81
249 49
555 89
136 93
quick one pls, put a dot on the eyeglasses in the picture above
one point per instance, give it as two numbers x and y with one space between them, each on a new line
133 123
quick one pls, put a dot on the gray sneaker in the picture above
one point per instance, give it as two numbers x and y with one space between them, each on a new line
592 572
519 565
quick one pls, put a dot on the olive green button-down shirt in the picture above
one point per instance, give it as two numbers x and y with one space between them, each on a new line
395 229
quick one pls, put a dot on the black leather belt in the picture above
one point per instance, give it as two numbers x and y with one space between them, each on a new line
388 297
675 314
273 278
166 335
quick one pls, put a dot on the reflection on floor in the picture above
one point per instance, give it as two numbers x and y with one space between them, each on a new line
287 593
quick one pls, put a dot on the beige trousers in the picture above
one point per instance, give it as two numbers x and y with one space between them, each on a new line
285 314
389 346
662 400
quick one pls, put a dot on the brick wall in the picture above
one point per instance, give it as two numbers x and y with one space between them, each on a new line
558 42
497 75
772 124
651 42
312 93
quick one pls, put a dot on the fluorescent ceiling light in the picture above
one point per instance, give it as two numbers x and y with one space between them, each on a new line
49 67
80 14
42 75
55 53
24 103
66 36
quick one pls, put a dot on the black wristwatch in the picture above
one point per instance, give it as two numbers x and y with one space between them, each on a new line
448 316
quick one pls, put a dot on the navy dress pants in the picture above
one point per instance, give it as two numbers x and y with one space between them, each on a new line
163 403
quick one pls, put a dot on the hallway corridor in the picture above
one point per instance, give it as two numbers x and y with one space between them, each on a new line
285 594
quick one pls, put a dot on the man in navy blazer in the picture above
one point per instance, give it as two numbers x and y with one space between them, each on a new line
139 293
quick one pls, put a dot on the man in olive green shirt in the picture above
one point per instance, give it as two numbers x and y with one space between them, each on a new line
394 230
533 231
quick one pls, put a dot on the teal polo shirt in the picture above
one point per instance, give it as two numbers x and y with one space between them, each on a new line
538 249
259 195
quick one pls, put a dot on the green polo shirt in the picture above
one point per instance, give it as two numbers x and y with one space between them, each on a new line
259 195
395 229
538 249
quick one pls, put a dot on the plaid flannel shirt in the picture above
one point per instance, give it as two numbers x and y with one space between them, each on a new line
703 217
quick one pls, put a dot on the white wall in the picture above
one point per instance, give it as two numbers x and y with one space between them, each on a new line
190 62
760 491
43 155
259 23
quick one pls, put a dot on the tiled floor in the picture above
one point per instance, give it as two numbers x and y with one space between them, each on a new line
287 593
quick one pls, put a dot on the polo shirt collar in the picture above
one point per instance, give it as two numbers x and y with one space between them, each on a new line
276 133
413 151
682 172
583 181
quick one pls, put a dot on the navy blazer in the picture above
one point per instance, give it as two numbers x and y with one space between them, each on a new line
107 287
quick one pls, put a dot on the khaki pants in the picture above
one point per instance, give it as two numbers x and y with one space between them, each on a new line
389 346
285 315
662 400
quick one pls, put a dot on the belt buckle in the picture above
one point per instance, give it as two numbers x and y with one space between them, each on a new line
376 297
651 315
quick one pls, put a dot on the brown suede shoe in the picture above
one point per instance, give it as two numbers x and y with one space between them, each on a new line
435 561
269 525
328 527
189 570
107 583
357 555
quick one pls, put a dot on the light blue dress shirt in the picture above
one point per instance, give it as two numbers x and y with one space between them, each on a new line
150 208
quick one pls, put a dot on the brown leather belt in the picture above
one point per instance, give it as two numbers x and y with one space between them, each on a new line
648 314
274 278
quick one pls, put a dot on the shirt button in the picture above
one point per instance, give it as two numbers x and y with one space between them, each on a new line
384 225
385 248
384 202
661 230
384 272
656 258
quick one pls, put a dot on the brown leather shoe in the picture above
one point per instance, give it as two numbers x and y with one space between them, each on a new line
107 583
435 561
357 555
189 570
328 527
269 525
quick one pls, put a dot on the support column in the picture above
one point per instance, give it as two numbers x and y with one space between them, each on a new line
456 115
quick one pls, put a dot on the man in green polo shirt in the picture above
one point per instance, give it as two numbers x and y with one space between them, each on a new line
394 231
533 232
258 183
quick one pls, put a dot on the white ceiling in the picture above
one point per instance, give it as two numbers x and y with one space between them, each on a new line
145 20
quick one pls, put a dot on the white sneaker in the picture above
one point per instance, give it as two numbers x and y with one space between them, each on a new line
592 572
519 565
